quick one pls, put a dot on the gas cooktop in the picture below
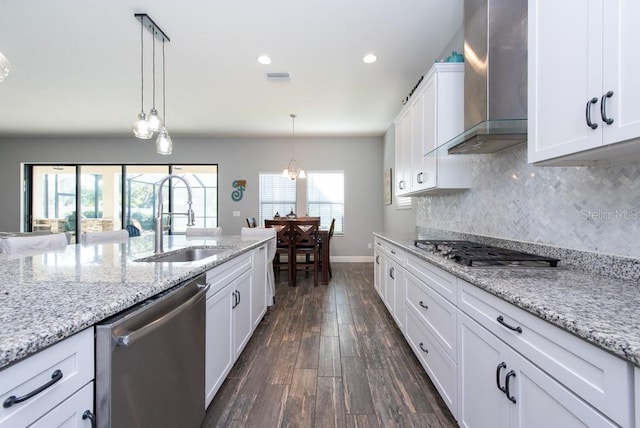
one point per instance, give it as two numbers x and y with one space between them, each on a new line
469 253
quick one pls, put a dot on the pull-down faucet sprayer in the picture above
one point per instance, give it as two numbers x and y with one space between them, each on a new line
191 217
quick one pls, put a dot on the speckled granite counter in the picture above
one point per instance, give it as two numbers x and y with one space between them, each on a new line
600 309
47 297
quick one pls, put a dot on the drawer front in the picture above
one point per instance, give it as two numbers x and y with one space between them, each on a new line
440 280
395 253
434 311
441 369
73 357
378 243
601 379
70 412
224 274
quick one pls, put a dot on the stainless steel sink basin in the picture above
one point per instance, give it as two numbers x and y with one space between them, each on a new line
189 254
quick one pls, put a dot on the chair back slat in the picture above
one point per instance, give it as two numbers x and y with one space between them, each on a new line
283 230
305 232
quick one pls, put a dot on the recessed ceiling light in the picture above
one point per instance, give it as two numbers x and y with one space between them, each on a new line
263 59
370 58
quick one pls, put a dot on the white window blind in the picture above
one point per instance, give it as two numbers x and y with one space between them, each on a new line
277 195
403 202
325 198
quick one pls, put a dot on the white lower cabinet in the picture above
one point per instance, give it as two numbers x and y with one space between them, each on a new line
500 388
496 365
378 275
231 314
74 412
39 387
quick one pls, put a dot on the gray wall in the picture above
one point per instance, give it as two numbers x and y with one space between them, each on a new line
359 157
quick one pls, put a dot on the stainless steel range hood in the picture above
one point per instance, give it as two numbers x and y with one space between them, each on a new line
495 79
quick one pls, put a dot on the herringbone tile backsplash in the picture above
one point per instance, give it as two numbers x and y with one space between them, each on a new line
590 209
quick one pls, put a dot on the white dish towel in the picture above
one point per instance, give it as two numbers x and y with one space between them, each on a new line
42 243
89 238
261 233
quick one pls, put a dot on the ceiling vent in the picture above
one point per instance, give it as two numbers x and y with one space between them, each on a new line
279 77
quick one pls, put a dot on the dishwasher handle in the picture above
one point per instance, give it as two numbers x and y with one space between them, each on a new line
132 337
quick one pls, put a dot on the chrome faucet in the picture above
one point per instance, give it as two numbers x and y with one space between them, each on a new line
191 217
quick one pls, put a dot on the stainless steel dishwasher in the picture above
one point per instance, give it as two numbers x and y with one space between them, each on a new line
150 361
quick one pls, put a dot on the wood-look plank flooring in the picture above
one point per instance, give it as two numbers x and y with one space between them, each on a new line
328 356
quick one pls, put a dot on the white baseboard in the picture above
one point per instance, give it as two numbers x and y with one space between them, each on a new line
352 259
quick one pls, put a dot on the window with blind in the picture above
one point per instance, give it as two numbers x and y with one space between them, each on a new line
277 195
325 198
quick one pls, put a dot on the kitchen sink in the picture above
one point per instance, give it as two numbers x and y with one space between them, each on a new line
189 254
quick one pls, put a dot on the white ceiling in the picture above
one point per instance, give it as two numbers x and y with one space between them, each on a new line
76 64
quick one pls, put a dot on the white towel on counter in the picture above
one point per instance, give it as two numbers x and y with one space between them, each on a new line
261 233
204 231
89 238
42 243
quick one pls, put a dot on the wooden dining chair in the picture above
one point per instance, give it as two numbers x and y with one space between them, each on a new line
284 246
329 235
305 242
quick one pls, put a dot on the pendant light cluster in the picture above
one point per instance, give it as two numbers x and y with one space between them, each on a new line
144 128
293 170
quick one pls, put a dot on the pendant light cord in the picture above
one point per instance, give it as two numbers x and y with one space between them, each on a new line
164 107
154 67
293 133
142 64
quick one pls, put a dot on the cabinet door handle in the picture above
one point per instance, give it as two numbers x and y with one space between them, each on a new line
377 260
89 415
588 113
603 108
511 374
55 377
235 300
401 184
425 350
419 178
510 327
239 297
423 305
501 366
392 272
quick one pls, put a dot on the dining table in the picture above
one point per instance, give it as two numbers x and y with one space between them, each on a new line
323 241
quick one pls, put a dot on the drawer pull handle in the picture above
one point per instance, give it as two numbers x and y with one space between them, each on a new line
501 366
55 376
393 252
511 374
501 321
423 305
425 350
88 415
603 108
590 124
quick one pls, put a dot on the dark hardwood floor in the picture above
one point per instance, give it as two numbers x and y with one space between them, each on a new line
328 356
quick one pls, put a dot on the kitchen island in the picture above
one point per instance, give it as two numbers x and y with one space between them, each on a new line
45 298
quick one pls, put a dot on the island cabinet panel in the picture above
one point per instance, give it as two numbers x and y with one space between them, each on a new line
259 289
66 367
228 319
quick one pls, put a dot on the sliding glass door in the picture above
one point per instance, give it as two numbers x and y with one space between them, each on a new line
114 196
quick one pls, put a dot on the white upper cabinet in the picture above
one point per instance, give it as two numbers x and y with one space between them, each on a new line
583 105
433 116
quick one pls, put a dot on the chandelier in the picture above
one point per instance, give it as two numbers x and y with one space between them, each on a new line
293 170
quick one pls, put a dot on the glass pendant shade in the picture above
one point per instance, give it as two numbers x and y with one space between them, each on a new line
5 66
155 121
293 171
141 127
164 146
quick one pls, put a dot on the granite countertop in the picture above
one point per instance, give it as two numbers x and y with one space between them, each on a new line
45 298
599 309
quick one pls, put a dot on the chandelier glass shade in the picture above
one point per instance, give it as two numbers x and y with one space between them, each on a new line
293 170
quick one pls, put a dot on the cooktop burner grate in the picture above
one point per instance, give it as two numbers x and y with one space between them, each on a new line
469 253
